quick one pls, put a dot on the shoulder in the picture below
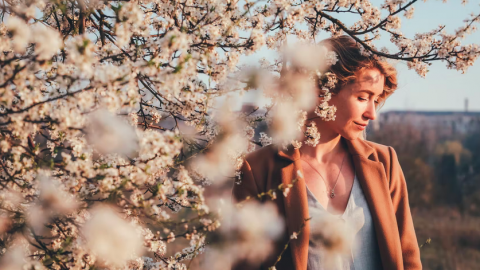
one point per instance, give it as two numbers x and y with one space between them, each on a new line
256 168
266 152
261 158
268 160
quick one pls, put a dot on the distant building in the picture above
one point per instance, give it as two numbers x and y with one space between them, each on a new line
452 122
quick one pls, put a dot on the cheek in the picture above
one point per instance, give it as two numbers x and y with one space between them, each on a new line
348 111
348 108
356 107
357 111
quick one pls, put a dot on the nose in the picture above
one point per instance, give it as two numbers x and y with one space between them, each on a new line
370 112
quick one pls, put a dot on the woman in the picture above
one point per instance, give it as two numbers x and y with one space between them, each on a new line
343 176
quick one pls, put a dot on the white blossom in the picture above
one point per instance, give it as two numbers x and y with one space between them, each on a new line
110 237
106 102
21 33
332 235
110 134
312 134
47 42
409 12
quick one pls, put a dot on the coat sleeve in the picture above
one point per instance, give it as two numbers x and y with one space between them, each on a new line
399 194
241 190
246 186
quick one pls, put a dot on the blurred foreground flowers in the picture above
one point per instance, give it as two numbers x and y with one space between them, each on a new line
114 138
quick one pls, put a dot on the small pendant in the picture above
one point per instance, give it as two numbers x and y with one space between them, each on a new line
332 195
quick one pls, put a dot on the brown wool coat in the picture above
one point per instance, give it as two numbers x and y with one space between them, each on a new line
383 184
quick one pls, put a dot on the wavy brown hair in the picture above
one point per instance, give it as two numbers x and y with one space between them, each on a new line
351 62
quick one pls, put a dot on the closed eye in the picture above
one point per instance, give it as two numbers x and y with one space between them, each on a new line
364 99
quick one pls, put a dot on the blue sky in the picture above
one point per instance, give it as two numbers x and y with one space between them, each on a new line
442 89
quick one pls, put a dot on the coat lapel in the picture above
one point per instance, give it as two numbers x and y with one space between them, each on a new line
372 178
296 206
371 175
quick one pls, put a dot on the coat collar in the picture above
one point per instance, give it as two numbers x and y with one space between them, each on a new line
371 175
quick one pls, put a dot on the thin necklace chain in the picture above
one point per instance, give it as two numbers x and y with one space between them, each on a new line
332 192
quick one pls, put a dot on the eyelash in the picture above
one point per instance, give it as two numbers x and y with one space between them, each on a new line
364 99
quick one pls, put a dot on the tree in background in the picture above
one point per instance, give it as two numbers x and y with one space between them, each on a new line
414 154
472 173
110 127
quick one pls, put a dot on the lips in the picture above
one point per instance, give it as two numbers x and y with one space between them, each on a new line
361 126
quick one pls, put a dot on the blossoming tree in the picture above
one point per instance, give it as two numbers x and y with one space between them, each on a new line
110 126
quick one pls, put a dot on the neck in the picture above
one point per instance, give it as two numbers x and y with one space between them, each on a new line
328 147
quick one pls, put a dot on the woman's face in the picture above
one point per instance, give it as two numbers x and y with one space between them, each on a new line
356 104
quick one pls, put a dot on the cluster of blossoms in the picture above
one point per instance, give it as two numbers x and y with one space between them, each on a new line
111 132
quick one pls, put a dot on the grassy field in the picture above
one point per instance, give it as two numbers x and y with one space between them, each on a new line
455 239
